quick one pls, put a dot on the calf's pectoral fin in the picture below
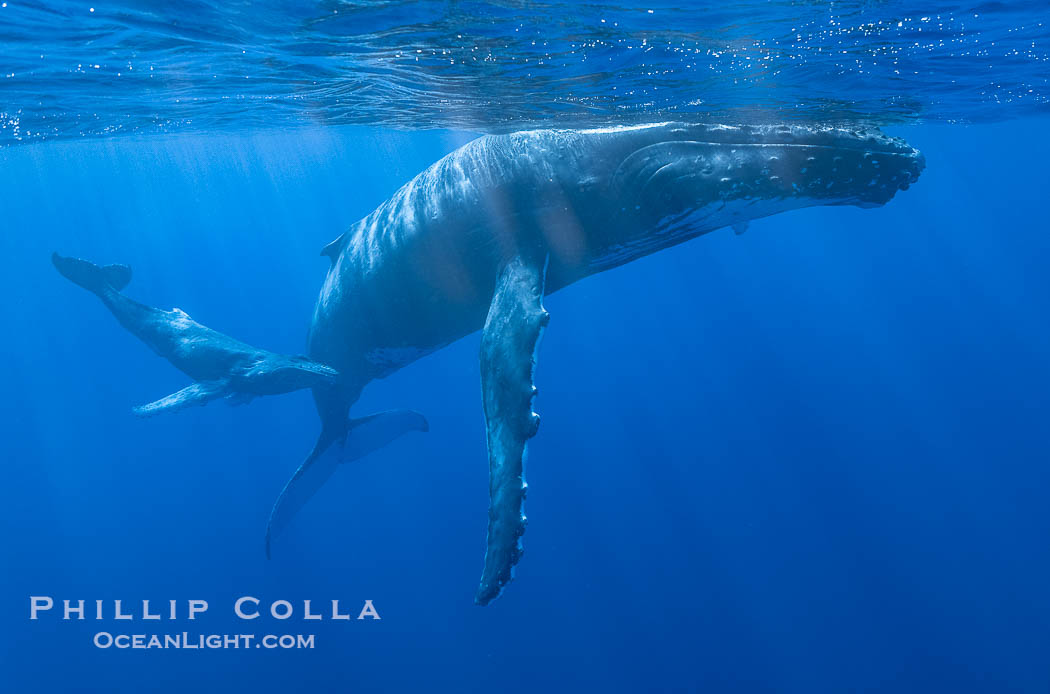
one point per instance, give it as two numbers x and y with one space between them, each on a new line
190 396
509 342
363 436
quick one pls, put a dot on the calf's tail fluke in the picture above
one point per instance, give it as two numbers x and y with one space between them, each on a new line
91 277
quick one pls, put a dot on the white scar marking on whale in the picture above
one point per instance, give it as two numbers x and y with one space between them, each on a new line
623 128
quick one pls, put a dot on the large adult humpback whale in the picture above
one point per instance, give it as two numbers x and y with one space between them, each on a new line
479 238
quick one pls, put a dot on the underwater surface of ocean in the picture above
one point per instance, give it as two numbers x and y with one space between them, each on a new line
809 458
72 68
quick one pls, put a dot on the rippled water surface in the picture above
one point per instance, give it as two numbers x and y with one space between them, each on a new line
84 68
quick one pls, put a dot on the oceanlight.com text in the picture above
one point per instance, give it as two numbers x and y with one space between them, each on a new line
187 641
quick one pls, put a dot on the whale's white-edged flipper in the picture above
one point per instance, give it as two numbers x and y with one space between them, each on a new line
509 341
191 396
364 435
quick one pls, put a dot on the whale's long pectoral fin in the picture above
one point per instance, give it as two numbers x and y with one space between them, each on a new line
190 396
365 435
509 342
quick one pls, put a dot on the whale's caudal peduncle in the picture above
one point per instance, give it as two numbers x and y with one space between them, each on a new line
475 241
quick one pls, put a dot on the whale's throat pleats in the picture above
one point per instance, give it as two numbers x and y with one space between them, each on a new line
511 335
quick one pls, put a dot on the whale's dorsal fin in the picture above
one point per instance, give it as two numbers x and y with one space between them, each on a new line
332 250
509 341
190 396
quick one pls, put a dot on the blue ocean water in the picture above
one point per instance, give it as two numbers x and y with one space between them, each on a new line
809 458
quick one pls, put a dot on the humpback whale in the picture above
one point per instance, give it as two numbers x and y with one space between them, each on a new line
223 367
220 366
478 239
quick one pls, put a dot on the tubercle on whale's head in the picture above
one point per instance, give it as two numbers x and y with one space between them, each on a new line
753 171
844 166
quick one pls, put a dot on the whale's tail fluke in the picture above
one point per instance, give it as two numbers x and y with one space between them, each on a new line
91 277
361 437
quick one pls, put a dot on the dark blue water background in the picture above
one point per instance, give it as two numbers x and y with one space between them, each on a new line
811 458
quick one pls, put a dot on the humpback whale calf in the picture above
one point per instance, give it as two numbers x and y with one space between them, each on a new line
220 366
480 237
